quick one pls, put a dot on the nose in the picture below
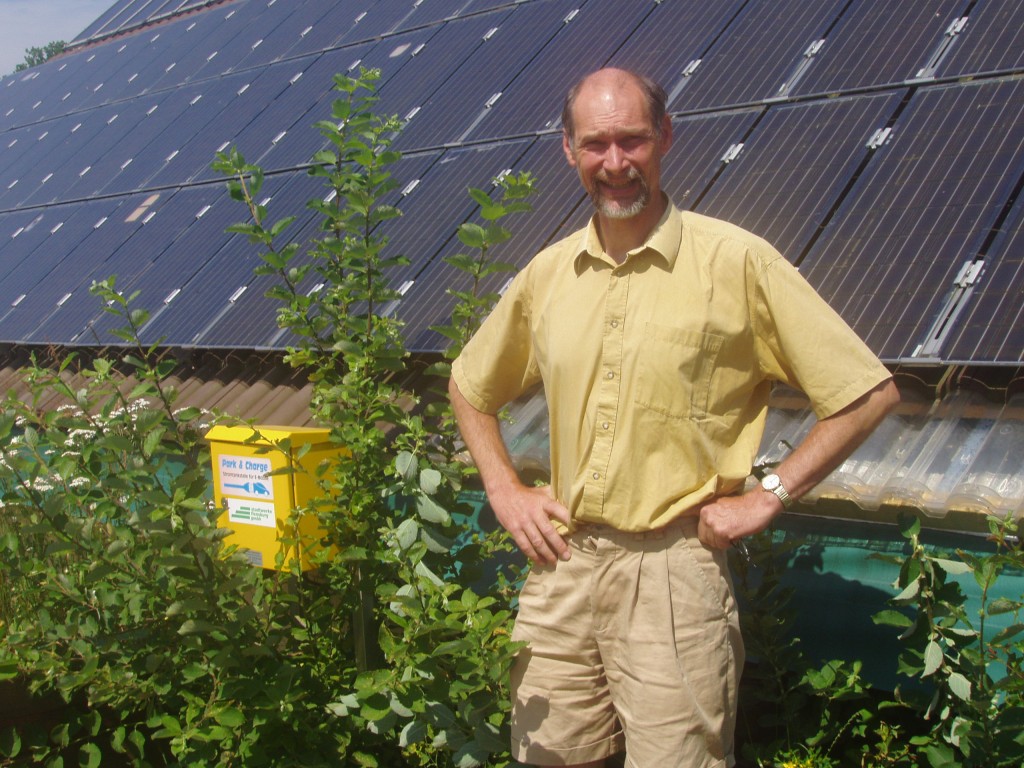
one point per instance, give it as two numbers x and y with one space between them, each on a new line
615 159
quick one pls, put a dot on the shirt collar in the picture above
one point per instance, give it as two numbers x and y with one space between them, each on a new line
663 241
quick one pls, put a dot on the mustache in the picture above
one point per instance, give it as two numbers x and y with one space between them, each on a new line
632 174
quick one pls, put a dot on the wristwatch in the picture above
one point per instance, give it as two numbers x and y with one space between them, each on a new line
773 484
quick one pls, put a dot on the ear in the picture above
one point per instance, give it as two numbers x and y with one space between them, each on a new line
666 134
567 148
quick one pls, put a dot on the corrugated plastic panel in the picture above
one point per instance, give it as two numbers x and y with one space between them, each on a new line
924 206
962 454
786 179
878 42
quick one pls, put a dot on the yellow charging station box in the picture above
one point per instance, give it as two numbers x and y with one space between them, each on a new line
259 505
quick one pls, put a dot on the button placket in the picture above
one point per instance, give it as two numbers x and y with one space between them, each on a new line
608 392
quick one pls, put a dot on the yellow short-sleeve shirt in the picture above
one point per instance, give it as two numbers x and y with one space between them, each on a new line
657 371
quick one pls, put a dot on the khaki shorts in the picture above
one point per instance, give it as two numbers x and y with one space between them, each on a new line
633 644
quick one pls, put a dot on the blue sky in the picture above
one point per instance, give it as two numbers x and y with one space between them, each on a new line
34 23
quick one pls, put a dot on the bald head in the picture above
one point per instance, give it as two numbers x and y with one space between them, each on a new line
653 95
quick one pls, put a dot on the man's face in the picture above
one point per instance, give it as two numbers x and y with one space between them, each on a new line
616 150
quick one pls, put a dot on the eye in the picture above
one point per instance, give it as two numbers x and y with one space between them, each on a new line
633 143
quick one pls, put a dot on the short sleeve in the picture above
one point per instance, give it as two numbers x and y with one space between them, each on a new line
498 363
806 344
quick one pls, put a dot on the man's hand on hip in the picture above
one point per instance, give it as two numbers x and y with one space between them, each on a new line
729 518
526 513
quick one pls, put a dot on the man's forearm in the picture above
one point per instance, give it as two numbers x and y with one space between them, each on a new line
482 434
833 439
525 512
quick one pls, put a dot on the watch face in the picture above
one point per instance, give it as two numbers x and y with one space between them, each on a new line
770 482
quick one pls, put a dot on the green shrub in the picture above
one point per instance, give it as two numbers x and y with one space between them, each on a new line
124 596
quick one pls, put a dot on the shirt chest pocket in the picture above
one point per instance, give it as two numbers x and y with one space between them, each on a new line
674 367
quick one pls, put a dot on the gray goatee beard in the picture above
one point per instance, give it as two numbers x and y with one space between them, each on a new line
612 209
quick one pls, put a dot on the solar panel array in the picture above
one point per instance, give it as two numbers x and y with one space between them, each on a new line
878 144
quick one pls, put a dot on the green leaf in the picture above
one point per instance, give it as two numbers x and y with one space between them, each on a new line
1003 605
892 619
196 627
431 511
430 481
89 756
413 733
406 465
960 686
10 742
230 717
471 755
472 235
407 533
911 591
952 566
932 658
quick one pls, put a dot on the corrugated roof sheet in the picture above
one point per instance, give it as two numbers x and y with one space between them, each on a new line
960 452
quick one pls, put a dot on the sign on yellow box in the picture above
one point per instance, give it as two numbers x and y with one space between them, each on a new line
258 504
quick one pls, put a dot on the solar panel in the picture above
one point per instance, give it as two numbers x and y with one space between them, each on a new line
556 209
506 42
878 42
154 220
36 255
991 41
113 18
533 100
793 167
434 63
168 283
55 271
260 326
672 40
433 11
280 30
696 157
760 53
922 208
992 327
374 19
433 206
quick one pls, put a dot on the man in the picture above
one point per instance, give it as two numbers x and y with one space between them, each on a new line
657 335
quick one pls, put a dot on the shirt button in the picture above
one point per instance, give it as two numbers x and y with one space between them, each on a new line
597 476
605 425
611 374
615 323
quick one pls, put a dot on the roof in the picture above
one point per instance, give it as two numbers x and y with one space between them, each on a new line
887 172
878 143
